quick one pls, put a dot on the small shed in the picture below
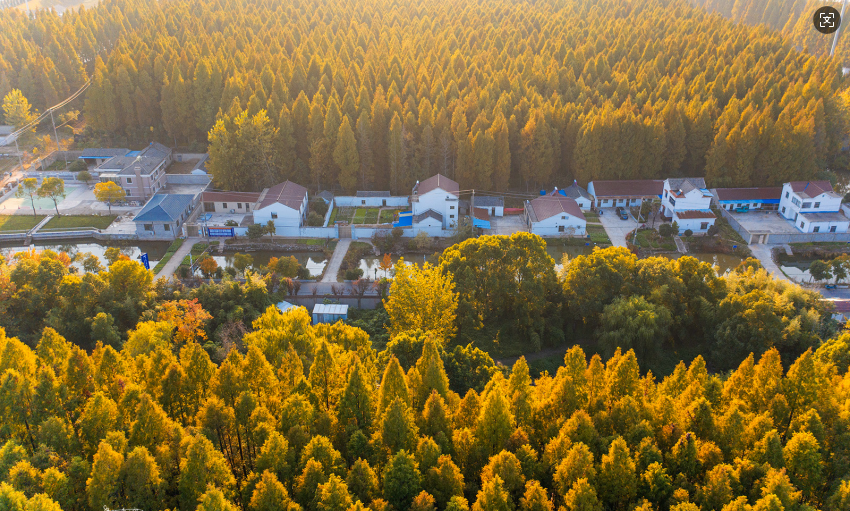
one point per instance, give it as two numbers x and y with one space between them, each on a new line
285 306
329 312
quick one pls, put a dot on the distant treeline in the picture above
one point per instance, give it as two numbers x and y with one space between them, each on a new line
493 94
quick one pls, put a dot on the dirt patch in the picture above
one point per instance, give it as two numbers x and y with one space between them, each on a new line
183 167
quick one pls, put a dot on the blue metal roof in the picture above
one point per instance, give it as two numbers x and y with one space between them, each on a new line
132 154
484 224
405 219
164 208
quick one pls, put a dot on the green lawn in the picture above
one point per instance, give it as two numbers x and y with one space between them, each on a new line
341 215
388 216
365 216
598 235
78 221
19 222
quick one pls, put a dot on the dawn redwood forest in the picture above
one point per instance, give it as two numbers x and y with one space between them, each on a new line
679 389
375 94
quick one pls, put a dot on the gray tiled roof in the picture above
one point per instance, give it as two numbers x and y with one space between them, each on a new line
164 207
574 191
486 201
430 213
686 184
103 153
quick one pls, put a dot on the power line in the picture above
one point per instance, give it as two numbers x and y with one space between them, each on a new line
50 110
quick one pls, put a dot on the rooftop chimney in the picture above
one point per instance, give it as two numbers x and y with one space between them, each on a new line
139 185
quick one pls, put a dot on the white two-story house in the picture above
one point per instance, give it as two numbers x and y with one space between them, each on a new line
440 195
813 206
687 202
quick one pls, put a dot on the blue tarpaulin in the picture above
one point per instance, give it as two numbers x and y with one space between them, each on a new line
405 219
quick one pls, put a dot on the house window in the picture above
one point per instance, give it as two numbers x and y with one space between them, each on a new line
816 229
560 228
807 204
786 195
274 215
832 229
703 226
672 201
802 225
451 207
783 209
224 205
451 216
605 201
795 201
238 205
167 227
665 194
817 205
129 180
363 202
149 227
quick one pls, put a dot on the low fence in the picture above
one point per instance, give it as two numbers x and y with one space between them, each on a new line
368 232
187 179
58 235
812 237
748 237
318 232
371 202
16 236
328 214
367 302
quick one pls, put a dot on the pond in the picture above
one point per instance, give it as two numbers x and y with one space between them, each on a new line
370 264
134 250
314 261
724 262
799 271
558 252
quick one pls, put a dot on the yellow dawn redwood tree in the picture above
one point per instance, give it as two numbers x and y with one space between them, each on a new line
422 298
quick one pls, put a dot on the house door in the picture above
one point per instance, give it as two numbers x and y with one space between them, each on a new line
384 202
344 231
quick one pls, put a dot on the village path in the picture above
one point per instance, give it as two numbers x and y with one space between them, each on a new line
171 266
336 260
616 227
764 255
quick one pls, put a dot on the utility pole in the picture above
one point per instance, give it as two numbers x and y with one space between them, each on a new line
20 160
835 38
640 208
472 213
56 134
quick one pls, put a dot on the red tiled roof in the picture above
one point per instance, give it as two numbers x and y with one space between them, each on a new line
231 196
811 188
841 306
288 193
694 214
438 181
481 214
769 193
548 206
628 188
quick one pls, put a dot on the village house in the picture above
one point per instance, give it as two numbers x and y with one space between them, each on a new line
164 214
140 173
438 194
230 202
813 206
285 205
687 202
576 193
609 194
742 200
555 216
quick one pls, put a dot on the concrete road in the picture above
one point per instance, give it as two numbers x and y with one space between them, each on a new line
763 254
616 228
332 269
171 266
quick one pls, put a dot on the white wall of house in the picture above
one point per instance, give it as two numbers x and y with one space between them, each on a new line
440 201
583 203
804 225
372 202
697 225
283 217
610 202
225 207
731 205
493 210
693 200
560 225
791 204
